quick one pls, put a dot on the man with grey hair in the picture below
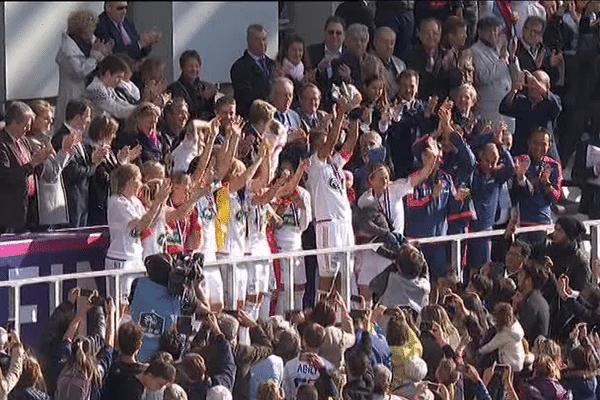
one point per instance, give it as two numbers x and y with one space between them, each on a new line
281 96
415 371
383 44
251 74
18 166
356 42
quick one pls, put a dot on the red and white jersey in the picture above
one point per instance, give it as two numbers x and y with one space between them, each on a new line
390 202
327 186
295 221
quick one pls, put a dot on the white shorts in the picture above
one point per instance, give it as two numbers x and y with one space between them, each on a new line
298 266
333 234
241 283
259 277
213 284
125 280
369 264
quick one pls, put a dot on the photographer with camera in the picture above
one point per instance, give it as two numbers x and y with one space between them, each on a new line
170 291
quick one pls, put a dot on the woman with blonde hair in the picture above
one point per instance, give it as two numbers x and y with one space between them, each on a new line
141 129
128 220
77 57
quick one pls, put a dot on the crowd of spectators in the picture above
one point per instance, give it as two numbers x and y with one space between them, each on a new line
410 120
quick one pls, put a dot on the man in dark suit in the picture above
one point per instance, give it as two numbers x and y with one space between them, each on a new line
112 24
251 74
83 162
18 164
326 57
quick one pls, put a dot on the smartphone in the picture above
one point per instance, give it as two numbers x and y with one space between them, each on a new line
426 326
389 312
231 312
356 314
356 298
501 368
184 325
86 292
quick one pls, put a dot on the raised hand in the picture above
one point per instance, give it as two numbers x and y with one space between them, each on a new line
40 155
345 71
431 104
99 154
164 191
522 164
209 92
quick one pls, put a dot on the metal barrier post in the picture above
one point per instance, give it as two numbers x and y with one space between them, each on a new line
456 259
16 308
232 283
595 241
55 296
288 282
117 298
347 278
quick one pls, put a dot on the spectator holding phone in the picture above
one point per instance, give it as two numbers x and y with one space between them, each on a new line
508 339
9 379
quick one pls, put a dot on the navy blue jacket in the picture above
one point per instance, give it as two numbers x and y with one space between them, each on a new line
486 190
106 30
528 117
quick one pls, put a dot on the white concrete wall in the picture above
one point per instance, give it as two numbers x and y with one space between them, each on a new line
217 30
32 32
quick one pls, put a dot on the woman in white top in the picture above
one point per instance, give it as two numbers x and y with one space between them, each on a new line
128 220
77 57
386 196
293 205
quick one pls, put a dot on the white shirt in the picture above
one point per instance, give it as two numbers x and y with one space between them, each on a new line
183 155
207 212
235 244
295 221
257 244
297 373
390 202
121 211
327 186
155 243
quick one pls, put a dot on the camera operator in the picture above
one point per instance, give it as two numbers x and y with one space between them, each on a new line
171 290
9 379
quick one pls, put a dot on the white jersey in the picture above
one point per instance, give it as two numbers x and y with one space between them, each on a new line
155 243
207 213
235 244
123 245
327 186
297 373
390 203
257 244
295 221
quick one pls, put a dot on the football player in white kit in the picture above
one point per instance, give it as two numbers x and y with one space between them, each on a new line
294 208
327 186
387 197
237 227
207 208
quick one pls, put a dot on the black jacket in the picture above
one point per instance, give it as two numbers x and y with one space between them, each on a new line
16 208
76 175
106 30
192 93
249 82
534 316
572 261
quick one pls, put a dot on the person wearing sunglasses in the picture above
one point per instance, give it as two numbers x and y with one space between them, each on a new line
114 25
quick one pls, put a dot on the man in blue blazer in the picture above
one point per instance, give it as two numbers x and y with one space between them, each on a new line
112 24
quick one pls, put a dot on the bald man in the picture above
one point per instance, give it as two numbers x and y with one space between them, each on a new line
533 105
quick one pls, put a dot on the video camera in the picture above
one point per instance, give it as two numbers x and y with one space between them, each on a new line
185 270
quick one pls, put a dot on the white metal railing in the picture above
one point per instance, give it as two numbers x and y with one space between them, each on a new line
288 274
